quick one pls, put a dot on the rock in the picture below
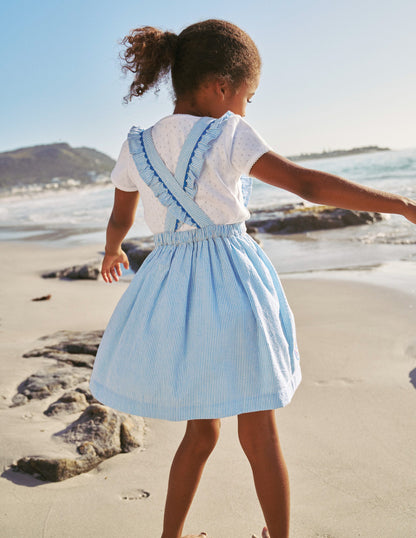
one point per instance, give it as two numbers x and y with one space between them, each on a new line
70 402
19 399
56 469
137 251
98 425
77 348
300 218
99 433
87 393
88 271
131 433
252 231
43 384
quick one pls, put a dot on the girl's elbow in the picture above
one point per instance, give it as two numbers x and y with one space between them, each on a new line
121 223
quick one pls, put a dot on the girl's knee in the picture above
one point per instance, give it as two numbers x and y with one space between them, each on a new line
203 434
257 432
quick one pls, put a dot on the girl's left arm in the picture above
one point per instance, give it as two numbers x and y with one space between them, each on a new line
328 189
121 220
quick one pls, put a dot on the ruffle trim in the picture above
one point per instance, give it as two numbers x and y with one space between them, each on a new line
204 143
153 180
196 162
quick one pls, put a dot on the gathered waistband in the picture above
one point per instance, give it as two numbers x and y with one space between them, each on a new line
199 234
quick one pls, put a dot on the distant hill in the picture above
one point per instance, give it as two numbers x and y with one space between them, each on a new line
41 164
336 153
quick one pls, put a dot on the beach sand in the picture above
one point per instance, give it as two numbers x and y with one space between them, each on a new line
348 435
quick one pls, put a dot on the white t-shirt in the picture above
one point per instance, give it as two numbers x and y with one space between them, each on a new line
219 193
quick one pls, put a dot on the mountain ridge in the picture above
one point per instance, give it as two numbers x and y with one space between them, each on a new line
46 162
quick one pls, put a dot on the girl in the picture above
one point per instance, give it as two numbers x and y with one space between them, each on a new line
204 330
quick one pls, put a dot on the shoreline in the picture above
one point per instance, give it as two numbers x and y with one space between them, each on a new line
346 435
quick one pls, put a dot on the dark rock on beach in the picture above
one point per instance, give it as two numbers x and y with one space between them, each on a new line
44 383
70 402
298 218
88 271
137 251
98 433
289 219
75 348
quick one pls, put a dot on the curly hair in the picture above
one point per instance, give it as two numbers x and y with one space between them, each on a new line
204 50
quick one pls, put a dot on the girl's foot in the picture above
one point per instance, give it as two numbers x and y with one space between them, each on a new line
264 534
201 535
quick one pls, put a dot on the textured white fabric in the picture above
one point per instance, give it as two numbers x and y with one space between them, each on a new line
219 187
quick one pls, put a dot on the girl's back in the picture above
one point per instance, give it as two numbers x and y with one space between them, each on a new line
234 147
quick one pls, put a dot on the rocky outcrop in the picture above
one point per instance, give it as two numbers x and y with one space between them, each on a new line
81 342
137 251
71 402
44 383
75 348
98 433
289 219
298 218
88 271
336 153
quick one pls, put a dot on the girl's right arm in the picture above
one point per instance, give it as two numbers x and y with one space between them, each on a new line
121 220
328 189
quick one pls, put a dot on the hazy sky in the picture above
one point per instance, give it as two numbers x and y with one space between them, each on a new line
336 73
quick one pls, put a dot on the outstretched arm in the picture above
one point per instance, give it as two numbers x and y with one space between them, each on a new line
328 189
121 220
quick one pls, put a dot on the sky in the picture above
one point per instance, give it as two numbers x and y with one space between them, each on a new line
336 73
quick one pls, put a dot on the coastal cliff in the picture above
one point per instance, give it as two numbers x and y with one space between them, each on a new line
52 162
336 153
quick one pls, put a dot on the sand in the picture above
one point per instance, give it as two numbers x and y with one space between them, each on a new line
348 435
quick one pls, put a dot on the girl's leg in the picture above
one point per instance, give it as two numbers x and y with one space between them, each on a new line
199 441
258 437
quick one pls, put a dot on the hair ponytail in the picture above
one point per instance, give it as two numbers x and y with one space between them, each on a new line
149 55
211 48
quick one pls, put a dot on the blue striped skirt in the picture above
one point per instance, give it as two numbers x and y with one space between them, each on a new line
204 330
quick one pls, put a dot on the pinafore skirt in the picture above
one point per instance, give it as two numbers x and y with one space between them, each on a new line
204 329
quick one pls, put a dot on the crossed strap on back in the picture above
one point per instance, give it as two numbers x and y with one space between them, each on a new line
173 190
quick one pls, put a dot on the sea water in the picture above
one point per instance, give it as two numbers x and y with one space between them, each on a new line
69 214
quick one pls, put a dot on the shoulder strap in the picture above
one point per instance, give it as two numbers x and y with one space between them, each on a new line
185 156
175 190
189 146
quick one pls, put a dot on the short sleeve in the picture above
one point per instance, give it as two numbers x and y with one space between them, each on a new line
248 146
120 174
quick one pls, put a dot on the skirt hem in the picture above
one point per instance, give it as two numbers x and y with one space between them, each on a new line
210 411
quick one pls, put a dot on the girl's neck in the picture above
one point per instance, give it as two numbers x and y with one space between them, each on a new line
190 106
201 102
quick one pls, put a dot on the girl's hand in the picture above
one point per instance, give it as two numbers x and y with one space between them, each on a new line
111 266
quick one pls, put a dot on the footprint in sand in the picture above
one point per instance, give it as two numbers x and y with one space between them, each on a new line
135 495
341 381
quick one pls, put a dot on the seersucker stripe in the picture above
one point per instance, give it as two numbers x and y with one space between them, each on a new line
204 329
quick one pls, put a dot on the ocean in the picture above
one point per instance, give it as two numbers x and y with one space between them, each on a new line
66 214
